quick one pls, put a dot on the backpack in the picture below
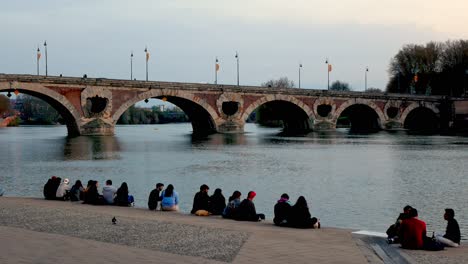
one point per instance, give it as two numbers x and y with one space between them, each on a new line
431 244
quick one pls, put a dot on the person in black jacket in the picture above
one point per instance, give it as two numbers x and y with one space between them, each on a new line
154 197
300 215
282 211
217 202
50 188
92 195
201 201
121 199
246 211
452 233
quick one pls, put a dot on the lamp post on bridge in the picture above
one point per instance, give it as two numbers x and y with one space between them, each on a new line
237 59
131 66
329 69
365 81
45 48
147 59
300 67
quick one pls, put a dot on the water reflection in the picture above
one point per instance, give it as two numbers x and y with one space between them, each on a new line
91 148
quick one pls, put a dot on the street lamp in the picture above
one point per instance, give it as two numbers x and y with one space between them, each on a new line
237 58
45 48
365 85
216 70
328 72
131 66
147 58
300 67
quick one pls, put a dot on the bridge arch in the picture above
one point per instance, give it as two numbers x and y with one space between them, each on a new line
296 115
60 103
372 114
203 117
419 116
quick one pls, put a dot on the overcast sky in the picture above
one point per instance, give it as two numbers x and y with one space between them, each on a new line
183 37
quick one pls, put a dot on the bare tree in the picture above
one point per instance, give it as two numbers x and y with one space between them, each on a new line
340 86
282 82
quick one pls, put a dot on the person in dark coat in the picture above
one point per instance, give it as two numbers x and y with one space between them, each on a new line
232 207
300 215
394 230
452 233
201 201
92 195
121 199
246 211
50 188
155 197
217 202
76 192
282 211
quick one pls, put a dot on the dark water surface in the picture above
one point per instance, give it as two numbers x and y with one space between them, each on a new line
351 181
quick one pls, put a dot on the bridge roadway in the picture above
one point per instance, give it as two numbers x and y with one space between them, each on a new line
92 106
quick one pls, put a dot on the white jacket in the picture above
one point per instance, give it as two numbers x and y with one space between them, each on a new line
63 188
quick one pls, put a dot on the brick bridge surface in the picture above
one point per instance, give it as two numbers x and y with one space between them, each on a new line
92 106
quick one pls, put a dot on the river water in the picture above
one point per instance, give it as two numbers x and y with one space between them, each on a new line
350 181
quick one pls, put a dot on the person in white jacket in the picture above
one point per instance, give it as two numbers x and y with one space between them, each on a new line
63 189
109 192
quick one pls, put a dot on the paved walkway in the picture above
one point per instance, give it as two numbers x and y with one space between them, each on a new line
21 243
38 231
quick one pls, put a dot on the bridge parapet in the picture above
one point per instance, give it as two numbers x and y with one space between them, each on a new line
92 106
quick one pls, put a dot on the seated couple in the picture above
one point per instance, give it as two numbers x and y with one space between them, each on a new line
411 231
204 205
297 215
242 211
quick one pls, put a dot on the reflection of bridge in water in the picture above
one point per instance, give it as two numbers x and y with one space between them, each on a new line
93 106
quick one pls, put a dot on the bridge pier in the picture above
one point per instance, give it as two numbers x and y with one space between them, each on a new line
96 127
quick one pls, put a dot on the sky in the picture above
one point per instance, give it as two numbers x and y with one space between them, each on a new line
184 37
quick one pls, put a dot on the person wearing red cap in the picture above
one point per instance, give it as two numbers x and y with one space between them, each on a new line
247 212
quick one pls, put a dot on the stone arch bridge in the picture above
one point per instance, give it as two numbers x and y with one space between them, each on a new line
92 106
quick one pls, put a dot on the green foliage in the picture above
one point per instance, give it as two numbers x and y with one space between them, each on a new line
340 86
15 122
441 69
36 111
136 115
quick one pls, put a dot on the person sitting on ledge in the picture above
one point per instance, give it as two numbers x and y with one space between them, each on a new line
246 211
394 230
300 215
122 198
232 207
217 202
155 197
412 231
63 190
452 233
50 188
201 200
108 192
92 195
170 199
76 191
282 211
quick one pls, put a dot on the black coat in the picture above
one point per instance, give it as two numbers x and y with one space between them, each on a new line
300 217
453 231
246 211
153 199
201 201
282 213
121 199
217 204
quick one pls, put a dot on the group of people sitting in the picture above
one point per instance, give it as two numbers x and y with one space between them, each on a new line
56 189
410 231
287 215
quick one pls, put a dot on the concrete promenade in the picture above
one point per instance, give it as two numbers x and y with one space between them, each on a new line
37 231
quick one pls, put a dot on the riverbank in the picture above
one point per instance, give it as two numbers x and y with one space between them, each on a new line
65 232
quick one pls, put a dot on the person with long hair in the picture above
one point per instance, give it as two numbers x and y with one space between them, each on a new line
217 202
169 199
122 197
231 209
300 215
76 191
92 195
